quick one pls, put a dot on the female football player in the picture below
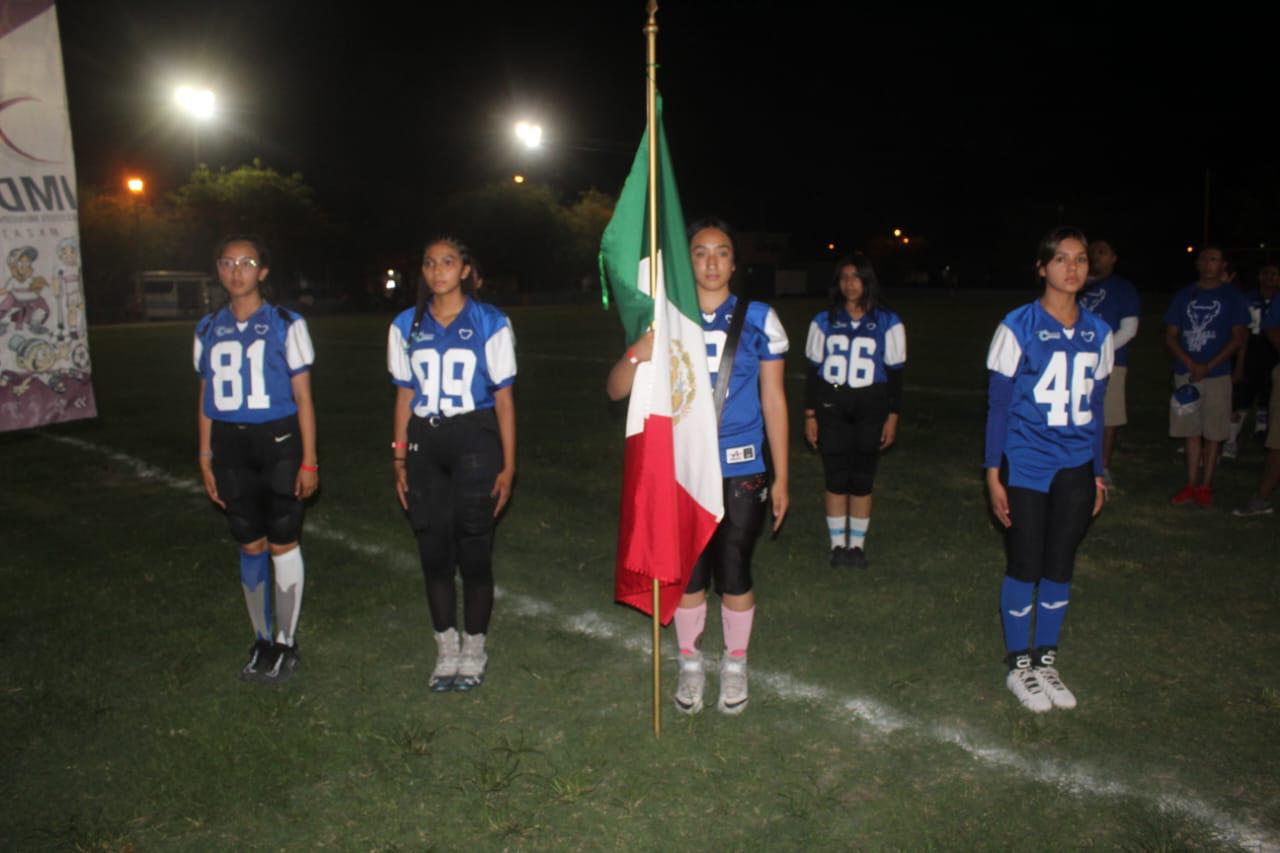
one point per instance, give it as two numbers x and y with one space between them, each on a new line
257 430
856 351
754 407
1049 362
453 362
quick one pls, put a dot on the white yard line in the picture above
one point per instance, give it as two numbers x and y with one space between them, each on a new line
1073 777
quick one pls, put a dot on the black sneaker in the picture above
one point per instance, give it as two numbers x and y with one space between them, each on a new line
856 559
260 657
283 663
839 555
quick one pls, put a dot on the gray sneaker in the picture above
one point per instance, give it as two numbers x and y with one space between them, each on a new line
447 657
733 684
692 681
1255 506
472 663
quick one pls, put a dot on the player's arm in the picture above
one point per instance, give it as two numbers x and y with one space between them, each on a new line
204 433
308 479
773 405
504 406
400 441
623 373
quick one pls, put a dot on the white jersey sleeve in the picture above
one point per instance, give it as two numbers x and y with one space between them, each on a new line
397 358
1106 357
895 346
197 351
775 334
1005 352
816 344
500 355
298 352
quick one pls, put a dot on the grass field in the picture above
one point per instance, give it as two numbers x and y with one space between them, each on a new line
879 717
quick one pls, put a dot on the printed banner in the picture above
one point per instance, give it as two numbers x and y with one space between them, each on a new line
44 345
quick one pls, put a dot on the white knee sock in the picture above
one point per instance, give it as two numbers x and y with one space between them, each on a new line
289 578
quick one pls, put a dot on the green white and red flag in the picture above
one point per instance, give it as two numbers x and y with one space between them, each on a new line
672 497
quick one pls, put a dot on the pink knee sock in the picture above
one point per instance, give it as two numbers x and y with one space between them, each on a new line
737 629
689 624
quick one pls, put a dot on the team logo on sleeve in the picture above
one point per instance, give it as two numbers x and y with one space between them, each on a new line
1201 316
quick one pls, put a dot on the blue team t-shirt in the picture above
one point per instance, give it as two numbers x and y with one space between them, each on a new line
856 352
1055 413
1112 298
455 369
742 421
248 367
1205 319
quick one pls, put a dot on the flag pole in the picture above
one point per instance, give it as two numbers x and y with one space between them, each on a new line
651 97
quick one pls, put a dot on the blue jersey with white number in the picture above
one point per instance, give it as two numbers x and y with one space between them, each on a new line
1113 299
741 421
248 367
1057 378
856 352
452 369
1205 318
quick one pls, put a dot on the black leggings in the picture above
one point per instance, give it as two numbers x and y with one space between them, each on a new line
727 556
451 469
1048 527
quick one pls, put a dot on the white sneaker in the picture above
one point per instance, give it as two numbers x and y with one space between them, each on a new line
446 661
733 684
693 678
471 666
1047 675
1022 682
1230 449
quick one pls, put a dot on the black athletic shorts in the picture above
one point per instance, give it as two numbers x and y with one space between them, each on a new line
850 424
256 469
727 557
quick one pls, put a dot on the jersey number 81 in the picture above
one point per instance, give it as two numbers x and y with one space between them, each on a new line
226 359
451 374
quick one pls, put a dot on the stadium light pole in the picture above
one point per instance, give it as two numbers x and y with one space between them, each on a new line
199 107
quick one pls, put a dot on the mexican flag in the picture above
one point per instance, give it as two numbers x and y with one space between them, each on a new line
672 497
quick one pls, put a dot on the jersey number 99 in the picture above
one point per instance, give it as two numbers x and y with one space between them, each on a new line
1065 400
445 381
847 364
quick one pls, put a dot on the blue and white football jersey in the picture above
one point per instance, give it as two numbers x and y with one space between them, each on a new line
1257 310
856 352
1112 298
741 421
455 369
248 367
1205 319
1057 378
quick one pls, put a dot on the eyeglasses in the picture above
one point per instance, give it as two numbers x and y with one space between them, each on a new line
245 263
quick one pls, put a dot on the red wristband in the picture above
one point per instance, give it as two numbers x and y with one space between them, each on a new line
399 445
314 469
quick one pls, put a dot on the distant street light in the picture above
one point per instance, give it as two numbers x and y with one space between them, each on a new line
529 134
519 179
136 187
198 104
897 232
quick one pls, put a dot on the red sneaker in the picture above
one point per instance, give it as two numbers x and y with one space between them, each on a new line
1203 496
1186 496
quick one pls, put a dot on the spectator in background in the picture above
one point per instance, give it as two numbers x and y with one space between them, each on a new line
1251 378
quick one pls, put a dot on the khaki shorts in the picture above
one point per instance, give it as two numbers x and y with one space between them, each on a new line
1273 428
1113 406
1212 419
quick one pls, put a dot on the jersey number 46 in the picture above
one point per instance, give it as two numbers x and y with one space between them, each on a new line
1066 399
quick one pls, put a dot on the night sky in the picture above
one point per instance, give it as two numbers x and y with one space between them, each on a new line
975 127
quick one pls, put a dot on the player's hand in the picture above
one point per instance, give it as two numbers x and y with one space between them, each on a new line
210 484
402 485
811 431
1101 497
890 431
781 501
1198 371
999 497
642 349
502 489
305 484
